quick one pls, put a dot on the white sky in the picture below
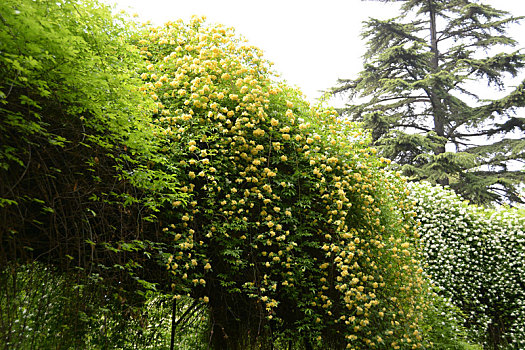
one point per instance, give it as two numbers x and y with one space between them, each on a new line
311 42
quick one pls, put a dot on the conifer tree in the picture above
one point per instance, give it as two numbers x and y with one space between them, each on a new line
419 93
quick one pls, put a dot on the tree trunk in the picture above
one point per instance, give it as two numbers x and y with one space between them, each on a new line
437 105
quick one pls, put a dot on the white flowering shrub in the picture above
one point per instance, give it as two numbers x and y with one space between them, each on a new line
476 256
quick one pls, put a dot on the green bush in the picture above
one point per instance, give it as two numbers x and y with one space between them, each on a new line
444 325
76 188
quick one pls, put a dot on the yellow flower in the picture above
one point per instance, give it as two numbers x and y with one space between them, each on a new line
258 132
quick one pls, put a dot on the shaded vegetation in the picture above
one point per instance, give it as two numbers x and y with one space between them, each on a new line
42 308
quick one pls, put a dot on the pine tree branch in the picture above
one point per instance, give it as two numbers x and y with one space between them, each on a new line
413 98
414 126
506 127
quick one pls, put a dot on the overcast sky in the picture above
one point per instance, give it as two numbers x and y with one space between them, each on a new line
311 42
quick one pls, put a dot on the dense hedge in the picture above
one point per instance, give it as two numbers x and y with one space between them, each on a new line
169 160
476 256
292 229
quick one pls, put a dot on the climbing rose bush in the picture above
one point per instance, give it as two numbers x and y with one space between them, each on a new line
476 256
292 231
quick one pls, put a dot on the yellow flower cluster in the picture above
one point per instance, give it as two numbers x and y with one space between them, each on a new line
272 179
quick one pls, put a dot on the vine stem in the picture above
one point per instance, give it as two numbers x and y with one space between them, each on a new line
173 324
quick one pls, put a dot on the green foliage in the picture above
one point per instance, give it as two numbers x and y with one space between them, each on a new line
39 309
271 216
444 325
418 95
77 184
476 257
